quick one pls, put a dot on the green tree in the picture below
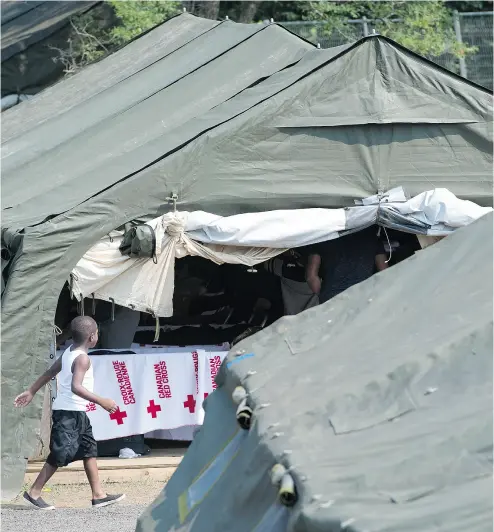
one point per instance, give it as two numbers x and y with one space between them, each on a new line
109 26
135 18
425 27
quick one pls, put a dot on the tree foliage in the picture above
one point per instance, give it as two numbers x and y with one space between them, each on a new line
109 26
425 27
135 18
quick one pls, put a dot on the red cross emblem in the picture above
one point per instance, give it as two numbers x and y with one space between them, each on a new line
119 416
190 404
153 408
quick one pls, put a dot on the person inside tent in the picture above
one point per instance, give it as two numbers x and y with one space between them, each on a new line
290 268
336 265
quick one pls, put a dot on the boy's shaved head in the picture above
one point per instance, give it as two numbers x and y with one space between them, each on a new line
82 328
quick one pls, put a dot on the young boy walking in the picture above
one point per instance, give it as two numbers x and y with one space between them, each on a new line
71 435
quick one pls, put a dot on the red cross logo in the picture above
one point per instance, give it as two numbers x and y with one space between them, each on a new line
190 404
119 416
153 409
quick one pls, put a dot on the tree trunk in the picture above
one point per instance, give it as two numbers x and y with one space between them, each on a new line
247 12
207 9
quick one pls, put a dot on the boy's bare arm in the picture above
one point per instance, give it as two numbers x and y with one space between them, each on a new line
79 368
26 397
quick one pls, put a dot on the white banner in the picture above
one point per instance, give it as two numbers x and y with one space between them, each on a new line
162 390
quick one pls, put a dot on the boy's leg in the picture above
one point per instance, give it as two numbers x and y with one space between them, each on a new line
88 451
100 497
44 476
91 468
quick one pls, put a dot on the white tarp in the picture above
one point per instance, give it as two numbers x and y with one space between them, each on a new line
250 239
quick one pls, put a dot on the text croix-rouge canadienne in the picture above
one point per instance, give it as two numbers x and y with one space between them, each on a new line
124 382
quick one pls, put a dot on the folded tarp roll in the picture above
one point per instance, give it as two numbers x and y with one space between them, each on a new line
147 285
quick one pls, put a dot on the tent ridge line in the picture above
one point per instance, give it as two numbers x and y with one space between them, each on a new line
53 29
428 62
34 6
239 43
121 81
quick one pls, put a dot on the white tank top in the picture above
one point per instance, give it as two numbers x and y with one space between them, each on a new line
66 399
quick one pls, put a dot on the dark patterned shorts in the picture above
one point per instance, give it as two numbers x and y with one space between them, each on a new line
71 438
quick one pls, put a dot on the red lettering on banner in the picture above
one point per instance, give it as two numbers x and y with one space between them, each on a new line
161 377
195 358
90 407
124 384
214 366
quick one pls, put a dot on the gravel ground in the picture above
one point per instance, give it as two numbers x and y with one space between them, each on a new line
74 514
116 518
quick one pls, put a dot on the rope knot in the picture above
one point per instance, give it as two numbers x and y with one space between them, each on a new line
175 227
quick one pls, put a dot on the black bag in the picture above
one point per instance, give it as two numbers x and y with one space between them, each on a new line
139 242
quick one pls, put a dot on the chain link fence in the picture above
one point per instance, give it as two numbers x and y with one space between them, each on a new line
474 29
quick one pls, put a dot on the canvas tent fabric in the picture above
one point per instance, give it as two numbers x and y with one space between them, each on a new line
378 402
29 32
452 149
147 284
98 77
233 154
123 121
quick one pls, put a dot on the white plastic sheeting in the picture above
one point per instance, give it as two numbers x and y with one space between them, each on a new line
250 239
146 285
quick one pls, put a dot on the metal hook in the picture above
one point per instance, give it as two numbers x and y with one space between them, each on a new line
173 199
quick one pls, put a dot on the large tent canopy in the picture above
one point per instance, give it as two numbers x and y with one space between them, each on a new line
378 403
117 130
254 119
340 124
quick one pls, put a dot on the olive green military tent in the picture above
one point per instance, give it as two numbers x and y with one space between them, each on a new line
262 121
375 408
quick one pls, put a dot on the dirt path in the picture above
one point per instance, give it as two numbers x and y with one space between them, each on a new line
142 492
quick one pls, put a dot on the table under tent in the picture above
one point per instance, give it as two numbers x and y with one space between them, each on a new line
340 140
